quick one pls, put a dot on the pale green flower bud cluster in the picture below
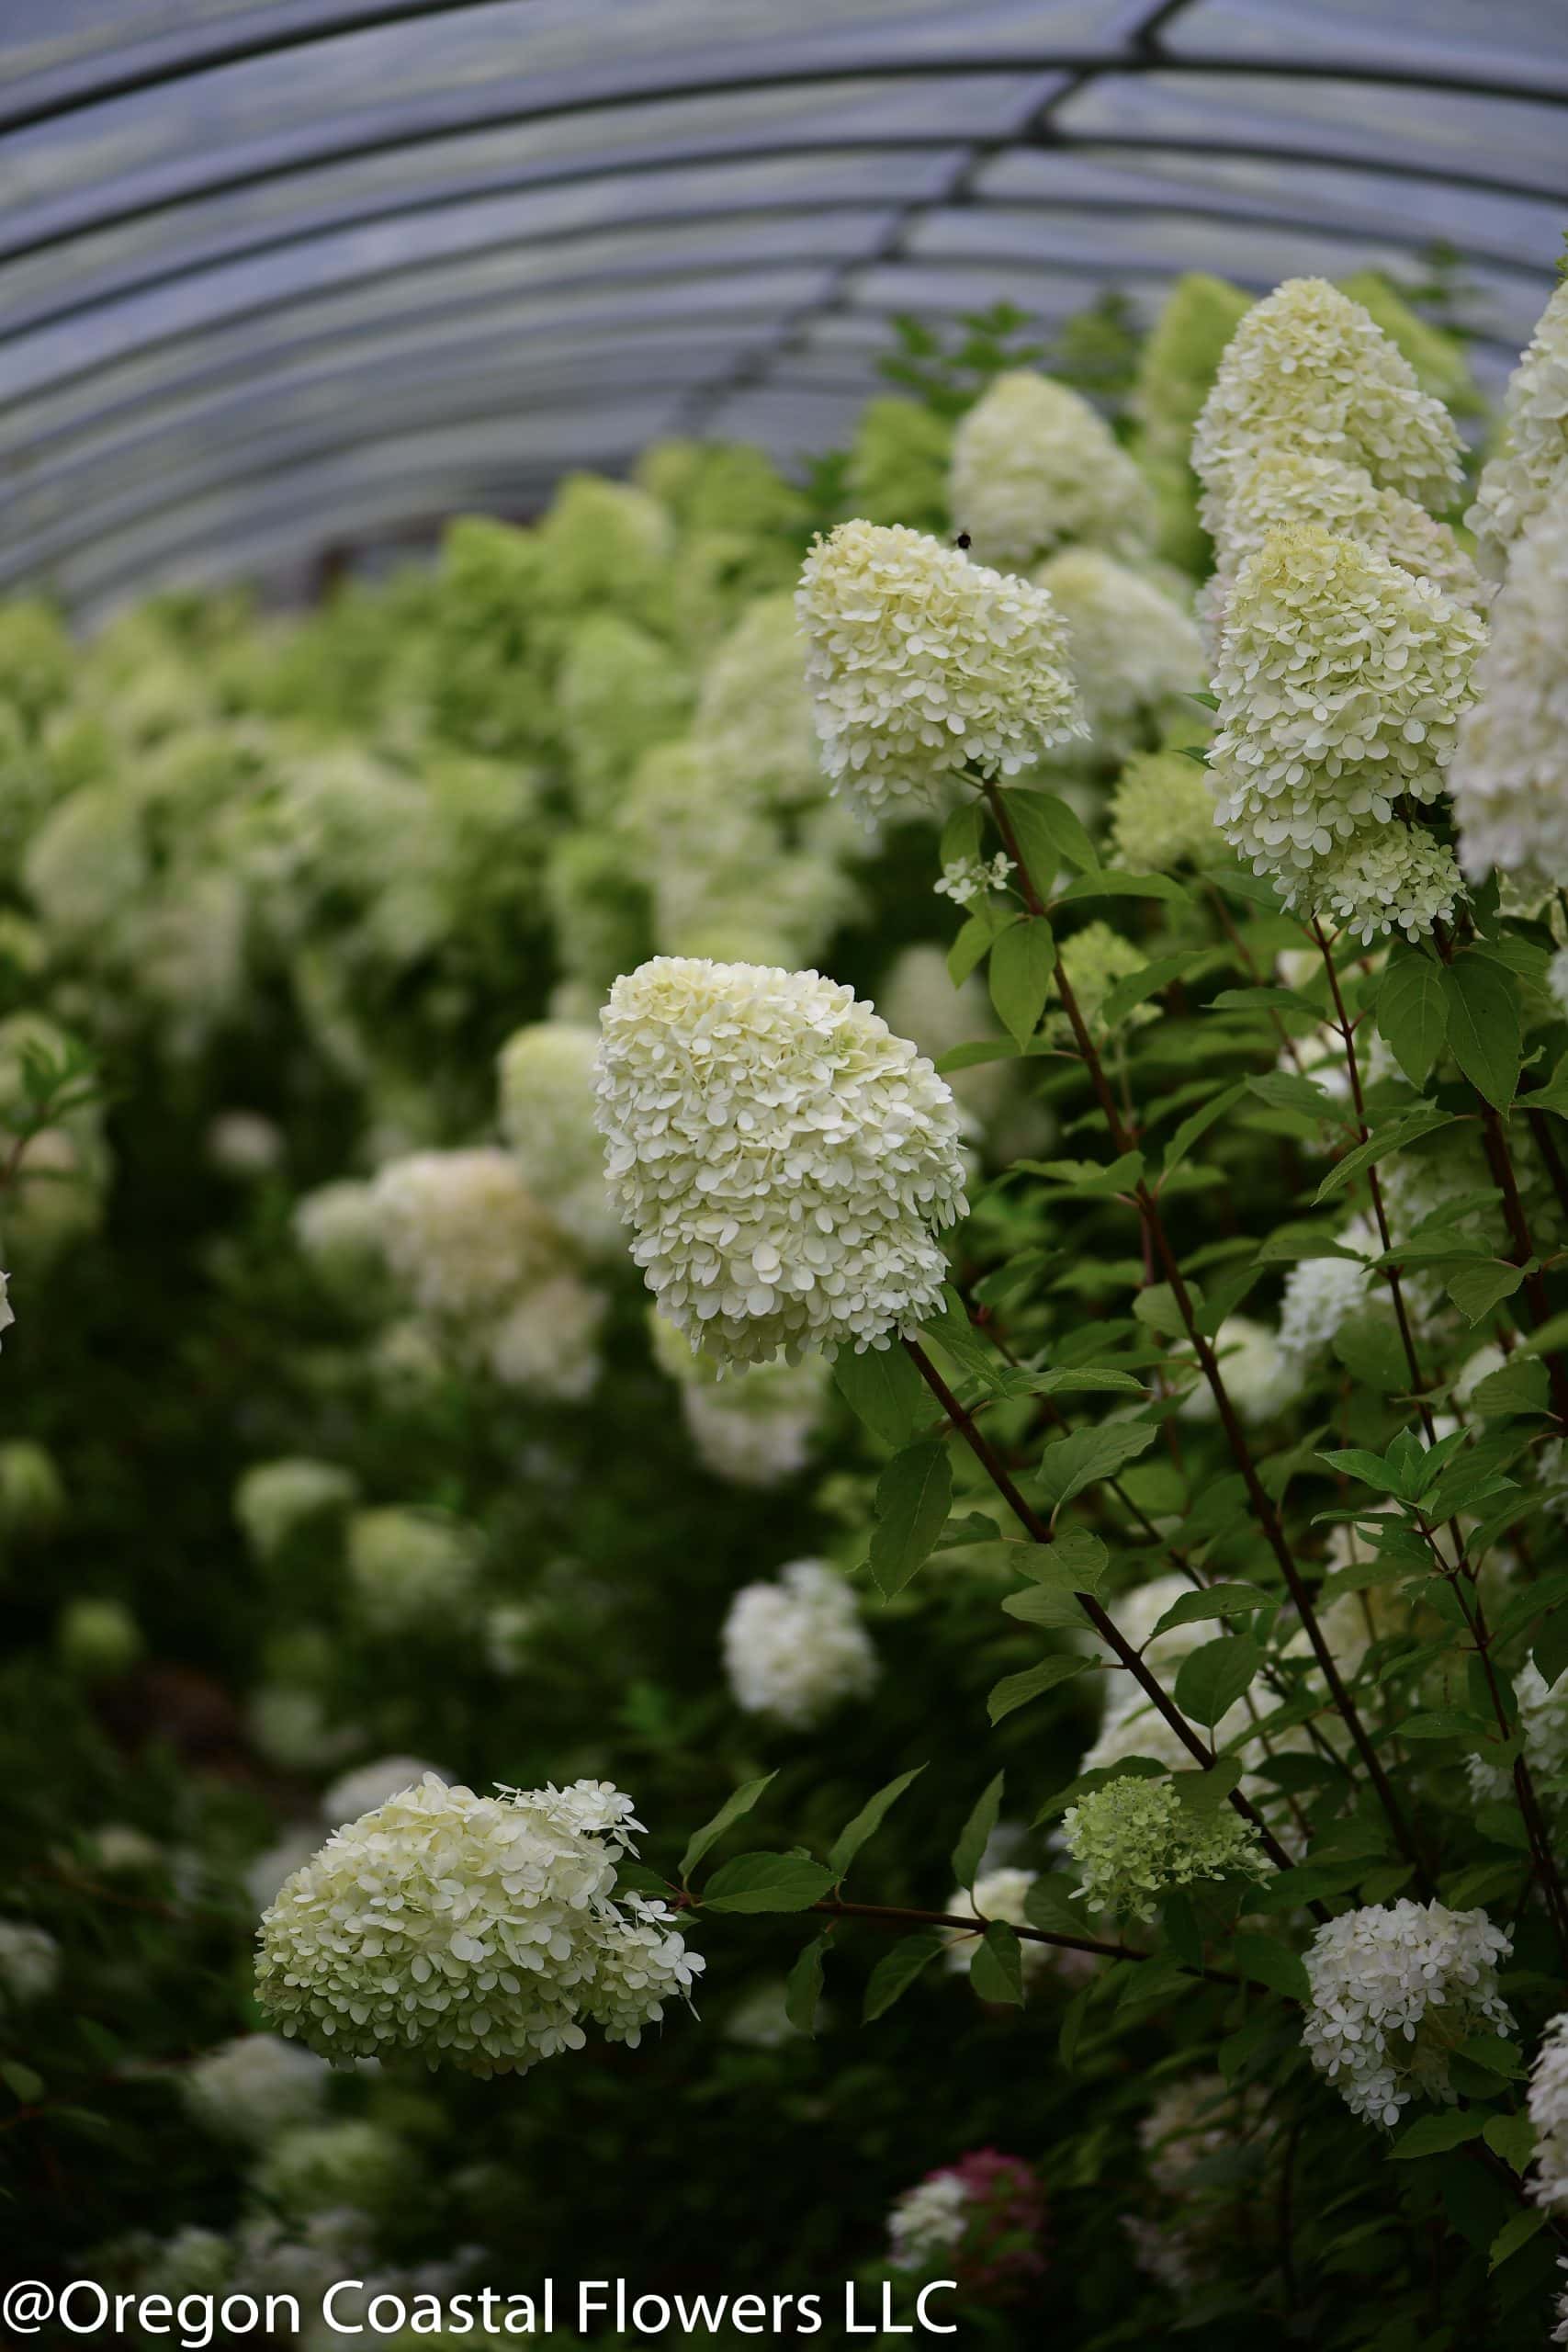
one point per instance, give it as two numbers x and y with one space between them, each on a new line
1162 815
546 1115
1136 1841
408 1568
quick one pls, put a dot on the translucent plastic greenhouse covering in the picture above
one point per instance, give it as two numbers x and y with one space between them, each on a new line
273 274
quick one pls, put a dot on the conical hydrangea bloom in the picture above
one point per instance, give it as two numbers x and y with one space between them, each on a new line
1531 463
1341 680
479 1931
1033 467
1284 486
1131 646
784 1161
922 662
1395 1989
1509 778
1307 369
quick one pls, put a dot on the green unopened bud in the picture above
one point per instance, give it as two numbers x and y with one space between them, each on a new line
32 1498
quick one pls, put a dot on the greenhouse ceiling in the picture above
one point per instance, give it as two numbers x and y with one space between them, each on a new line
273 276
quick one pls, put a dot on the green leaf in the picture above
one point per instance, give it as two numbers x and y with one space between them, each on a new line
767 1882
1190 1129
1513 2234
1520 1386
803 1986
21 2081
912 1498
976 1833
1370 1348
1049 836
961 834
1550 1651
975 1055
1476 1289
1274 1964
1016 1690
1392 1137
1070 1464
897 1969
1413 1014
1433 2136
996 1965
1053 1606
867 1822
1109 882
1068 1382
1211 1679
1554 1095
1077 1559
976 936
951 1328
1206 1790
1512 2137
1444 1723
1218 1600
1130 993
1022 964
1158 1310
1483 1026
1370 1468
731 1810
884 1388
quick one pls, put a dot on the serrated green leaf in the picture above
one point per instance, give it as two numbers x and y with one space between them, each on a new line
961 834
1076 1559
1217 1601
1391 1137
897 1969
1022 964
1433 2136
1192 1129
976 1833
976 936
1015 1690
734 1808
767 1882
1520 1386
1049 836
1413 1014
1477 1289
912 1499
1274 1964
1070 1464
1483 1026
868 1821
996 1965
885 1390
1512 2137
803 1986
1512 2235
1210 1680
1130 993
1109 882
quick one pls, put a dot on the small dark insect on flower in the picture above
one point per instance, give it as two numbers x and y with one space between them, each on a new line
963 540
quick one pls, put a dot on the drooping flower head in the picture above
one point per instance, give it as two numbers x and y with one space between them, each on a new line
796 1648
1509 778
1136 1841
1035 466
922 662
1530 467
1394 1989
1130 646
1307 369
478 1931
784 1161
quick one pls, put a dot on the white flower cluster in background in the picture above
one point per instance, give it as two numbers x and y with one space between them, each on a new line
1548 2104
1130 646
1003 1893
256 2087
1321 1294
795 1650
754 712
1033 467
1162 815
462 1232
319 2167
547 1343
369 1786
784 1161
1134 1841
546 1115
922 662
29 1963
1307 369
927 2221
481 1931
1543 1723
1394 1989
274 1498
1530 467
1509 777
753 1427
1260 1377
408 1568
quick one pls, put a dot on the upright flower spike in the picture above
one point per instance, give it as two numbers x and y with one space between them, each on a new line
1394 1990
1283 486
784 1161
1035 466
1307 369
922 662
1341 680
1531 467
1131 646
1509 778
475 1931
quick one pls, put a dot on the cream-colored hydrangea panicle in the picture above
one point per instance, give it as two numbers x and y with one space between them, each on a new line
1283 486
1509 777
1529 470
1307 369
1549 2113
1341 681
922 662
462 1232
546 1074
256 2087
1134 1841
795 1650
1130 646
1387 876
1035 466
481 1932
784 1161
1395 1989
1162 815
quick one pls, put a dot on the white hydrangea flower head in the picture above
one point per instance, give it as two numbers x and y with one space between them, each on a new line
244 1143
1162 2253
1130 646
927 2221
1543 1723
1383 877
755 1429
1033 466
289 1724
1308 369
316 2166
546 1345
255 2087
795 1650
476 1931
1002 1894
964 878
784 1161
1282 486
32 1493
1529 470
29 1963
546 1115
1548 2104
754 712
408 1568
1134 1841
922 662
1320 1294
119 1846
339 1228
462 1232
1509 777
1162 815
369 1786
1394 1989
1261 1379
273 1499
